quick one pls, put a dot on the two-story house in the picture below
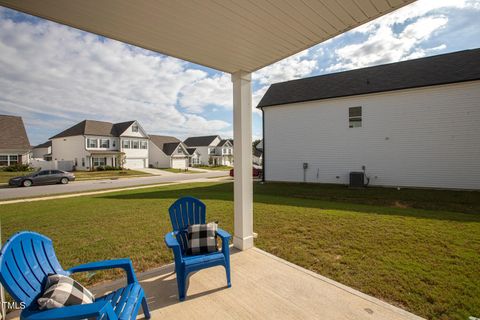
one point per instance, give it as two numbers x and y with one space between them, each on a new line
167 152
91 144
14 143
212 150
43 151
224 153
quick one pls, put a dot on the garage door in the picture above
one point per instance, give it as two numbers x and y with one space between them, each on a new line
134 163
179 163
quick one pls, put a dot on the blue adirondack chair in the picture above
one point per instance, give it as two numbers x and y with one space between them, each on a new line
184 212
28 258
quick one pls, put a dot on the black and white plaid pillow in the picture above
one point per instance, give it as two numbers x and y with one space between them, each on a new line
61 291
202 238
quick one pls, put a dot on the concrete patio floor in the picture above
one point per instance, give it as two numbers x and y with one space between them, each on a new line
263 287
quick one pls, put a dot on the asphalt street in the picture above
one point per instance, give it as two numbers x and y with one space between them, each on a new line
91 185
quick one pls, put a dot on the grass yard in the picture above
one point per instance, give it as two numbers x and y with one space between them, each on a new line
219 168
94 175
5 175
179 170
417 249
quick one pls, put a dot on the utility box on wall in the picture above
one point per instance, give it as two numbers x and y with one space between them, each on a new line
357 180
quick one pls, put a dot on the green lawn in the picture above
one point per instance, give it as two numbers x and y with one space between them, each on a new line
93 175
220 168
5 176
417 249
179 170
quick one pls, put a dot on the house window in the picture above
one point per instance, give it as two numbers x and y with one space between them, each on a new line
354 117
3 160
126 144
99 162
135 128
92 143
104 143
179 150
114 143
135 144
143 144
13 159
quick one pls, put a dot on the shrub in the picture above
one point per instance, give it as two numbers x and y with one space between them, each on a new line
17 167
107 168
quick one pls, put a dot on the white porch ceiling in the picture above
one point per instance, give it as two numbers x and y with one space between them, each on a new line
225 35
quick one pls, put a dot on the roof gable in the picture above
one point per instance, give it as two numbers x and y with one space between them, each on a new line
226 143
192 151
122 127
167 144
13 134
202 141
441 69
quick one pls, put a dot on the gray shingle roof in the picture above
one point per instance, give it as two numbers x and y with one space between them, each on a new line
165 143
96 128
191 150
199 141
441 69
13 134
222 142
44 145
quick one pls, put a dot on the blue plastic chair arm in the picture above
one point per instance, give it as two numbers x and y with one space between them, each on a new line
83 311
223 234
125 264
171 241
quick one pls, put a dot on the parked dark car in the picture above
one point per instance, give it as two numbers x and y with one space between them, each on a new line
42 177
256 173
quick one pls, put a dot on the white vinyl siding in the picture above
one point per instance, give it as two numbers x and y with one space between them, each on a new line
423 137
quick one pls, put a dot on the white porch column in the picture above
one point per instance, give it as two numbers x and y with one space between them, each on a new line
242 160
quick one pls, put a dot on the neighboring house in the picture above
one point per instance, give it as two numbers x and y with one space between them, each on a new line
205 146
43 151
212 150
91 144
224 153
412 123
194 156
14 144
167 152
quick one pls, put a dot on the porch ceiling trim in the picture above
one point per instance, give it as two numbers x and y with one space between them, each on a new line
225 35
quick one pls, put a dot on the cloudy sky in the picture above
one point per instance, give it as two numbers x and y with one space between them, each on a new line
55 76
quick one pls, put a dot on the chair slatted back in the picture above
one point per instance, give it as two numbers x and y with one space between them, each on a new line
26 260
184 212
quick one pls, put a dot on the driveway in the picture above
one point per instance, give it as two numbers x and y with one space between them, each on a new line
81 186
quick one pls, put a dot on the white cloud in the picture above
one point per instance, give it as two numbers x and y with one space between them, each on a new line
383 45
387 42
216 90
49 71
297 66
